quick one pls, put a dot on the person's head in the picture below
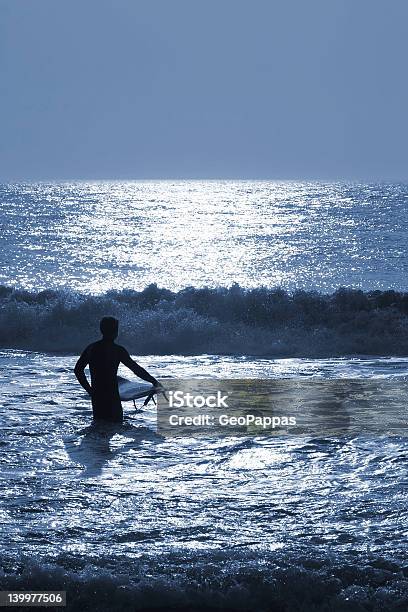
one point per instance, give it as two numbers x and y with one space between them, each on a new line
109 327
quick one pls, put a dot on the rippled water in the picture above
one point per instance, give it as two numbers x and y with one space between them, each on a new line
102 235
122 501
125 519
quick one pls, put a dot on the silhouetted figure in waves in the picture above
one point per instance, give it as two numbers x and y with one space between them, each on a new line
104 358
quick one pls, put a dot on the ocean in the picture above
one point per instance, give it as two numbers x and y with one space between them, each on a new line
217 279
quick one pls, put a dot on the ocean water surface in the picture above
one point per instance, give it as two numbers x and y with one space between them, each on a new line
97 236
125 519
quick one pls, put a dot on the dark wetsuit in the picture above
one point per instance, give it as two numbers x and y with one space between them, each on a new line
104 358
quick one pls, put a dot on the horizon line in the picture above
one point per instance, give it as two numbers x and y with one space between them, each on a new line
203 179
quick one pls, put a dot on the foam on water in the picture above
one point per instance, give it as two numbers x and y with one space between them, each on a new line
124 519
231 579
225 320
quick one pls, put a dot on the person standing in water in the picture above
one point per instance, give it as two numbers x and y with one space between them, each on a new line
104 358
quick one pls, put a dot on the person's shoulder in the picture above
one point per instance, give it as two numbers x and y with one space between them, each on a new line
121 348
96 343
92 346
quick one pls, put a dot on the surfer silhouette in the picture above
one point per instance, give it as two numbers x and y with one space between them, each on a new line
103 358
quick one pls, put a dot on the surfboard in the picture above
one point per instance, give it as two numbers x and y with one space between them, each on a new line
133 389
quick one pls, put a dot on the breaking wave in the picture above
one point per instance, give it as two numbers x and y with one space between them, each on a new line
229 580
234 320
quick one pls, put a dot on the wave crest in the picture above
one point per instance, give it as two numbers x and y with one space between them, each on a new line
222 580
233 320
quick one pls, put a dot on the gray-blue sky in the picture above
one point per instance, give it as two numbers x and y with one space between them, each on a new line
203 88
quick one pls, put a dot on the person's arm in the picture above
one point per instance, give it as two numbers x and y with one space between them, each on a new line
79 371
136 368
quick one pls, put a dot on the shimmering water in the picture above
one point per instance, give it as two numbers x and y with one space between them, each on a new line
144 512
98 236
125 519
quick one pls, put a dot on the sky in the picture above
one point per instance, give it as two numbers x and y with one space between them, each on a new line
147 89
